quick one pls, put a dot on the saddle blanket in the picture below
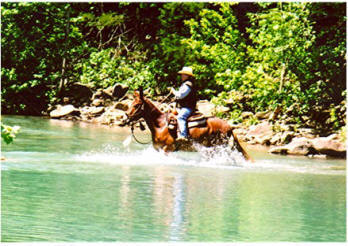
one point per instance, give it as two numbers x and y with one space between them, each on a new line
197 123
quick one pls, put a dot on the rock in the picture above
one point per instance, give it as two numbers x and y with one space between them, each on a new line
78 92
66 100
318 156
108 92
222 109
119 90
264 140
263 128
239 131
306 132
122 106
97 94
334 136
287 137
329 146
229 102
97 102
95 111
247 115
275 113
276 139
261 133
206 108
112 116
298 146
262 115
279 150
62 111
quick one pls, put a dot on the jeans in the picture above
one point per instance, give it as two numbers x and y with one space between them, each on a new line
183 115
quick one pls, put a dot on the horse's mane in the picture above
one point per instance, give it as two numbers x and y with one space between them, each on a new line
153 106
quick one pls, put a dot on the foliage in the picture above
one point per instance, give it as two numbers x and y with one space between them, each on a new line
34 41
281 36
247 56
8 133
106 67
216 48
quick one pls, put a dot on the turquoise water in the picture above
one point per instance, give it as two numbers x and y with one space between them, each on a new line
75 182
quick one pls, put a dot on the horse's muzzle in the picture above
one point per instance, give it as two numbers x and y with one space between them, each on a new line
126 121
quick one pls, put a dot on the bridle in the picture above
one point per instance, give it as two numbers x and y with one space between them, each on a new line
140 110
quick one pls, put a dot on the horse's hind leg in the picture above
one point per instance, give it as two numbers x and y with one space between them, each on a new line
235 143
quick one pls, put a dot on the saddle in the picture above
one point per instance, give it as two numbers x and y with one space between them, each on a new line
197 119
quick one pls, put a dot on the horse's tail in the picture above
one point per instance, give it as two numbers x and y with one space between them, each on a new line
239 146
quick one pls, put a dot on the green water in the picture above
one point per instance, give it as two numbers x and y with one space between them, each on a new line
65 181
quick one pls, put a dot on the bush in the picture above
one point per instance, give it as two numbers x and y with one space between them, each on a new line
106 67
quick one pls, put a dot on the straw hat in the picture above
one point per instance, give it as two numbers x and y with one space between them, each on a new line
187 71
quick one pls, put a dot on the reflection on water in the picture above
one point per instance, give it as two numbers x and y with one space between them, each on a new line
65 182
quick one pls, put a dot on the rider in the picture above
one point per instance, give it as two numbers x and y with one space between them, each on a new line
186 97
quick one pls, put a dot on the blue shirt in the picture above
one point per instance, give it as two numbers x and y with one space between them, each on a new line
183 91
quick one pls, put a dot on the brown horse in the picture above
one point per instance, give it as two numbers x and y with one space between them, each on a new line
216 131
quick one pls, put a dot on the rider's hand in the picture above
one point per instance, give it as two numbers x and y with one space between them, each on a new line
172 90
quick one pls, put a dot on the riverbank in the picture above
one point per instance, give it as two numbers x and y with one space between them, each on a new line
108 107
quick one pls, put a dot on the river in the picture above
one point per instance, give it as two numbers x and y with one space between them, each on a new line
75 182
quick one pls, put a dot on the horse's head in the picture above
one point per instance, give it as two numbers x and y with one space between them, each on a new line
136 110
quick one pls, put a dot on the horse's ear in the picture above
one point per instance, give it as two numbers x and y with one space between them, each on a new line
141 92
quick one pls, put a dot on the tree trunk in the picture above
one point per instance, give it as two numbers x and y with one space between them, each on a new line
63 79
282 73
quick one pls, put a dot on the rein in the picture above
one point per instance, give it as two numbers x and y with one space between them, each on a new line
137 140
138 112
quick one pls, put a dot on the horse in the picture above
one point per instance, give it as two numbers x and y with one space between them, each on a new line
215 131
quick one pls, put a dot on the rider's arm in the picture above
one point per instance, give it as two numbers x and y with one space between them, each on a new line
183 91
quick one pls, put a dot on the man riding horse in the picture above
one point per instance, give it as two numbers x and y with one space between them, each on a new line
186 97
207 131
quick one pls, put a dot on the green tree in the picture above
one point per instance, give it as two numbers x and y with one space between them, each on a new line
216 49
281 36
35 42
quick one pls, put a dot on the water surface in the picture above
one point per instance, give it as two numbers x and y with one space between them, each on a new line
66 182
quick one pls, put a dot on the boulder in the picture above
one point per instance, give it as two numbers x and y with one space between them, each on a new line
286 137
95 111
62 111
260 134
121 106
98 102
97 94
112 116
222 109
206 108
119 90
247 115
261 129
298 146
77 92
108 92
276 139
262 115
329 146
306 132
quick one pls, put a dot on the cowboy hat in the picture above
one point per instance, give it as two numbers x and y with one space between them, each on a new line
187 71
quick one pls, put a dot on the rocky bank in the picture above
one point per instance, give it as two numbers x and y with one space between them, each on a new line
108 107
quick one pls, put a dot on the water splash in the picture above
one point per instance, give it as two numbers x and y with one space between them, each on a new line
216 157
220 155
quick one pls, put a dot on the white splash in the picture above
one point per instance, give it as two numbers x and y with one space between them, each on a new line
217 157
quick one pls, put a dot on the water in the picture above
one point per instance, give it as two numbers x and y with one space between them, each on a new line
68 182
